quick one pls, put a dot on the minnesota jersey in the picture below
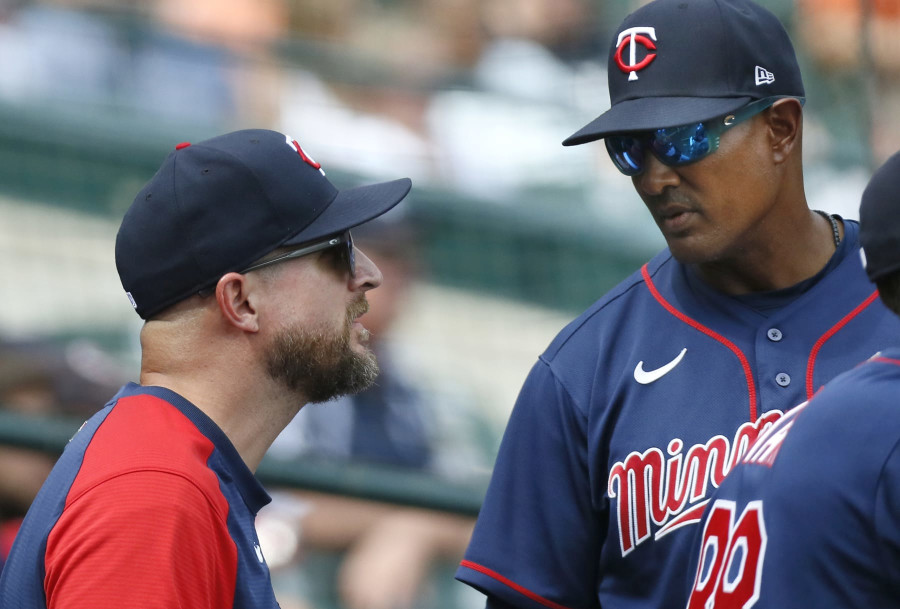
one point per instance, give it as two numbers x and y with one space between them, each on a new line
150 505
636 412
810 517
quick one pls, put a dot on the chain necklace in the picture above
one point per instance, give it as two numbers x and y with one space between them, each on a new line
834 225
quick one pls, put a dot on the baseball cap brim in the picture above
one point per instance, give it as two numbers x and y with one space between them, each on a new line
646 113
353 207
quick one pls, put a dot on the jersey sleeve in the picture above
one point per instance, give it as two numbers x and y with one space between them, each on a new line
887 517
145 539
536 541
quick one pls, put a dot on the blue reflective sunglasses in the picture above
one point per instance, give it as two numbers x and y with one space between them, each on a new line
676 146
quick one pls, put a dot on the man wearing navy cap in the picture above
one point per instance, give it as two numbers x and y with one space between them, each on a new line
640 407
238 255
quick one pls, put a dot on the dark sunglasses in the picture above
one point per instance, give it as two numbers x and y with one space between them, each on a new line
346 253
676 146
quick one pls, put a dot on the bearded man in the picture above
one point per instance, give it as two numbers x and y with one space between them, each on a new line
238 256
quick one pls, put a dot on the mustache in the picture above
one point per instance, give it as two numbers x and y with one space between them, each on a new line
357 308
672 197
668 203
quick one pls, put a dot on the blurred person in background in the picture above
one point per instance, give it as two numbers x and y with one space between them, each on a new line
391 423
40 379
206 63
857 42
480 68
385 554
639 408
213 58
537 59
238 256
368 88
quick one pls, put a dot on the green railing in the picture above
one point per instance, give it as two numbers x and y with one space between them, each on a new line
390 485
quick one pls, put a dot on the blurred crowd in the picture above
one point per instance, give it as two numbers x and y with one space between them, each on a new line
371 86
471 95
474 95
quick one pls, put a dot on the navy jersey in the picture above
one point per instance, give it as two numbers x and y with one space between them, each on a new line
637 410
810 517
150 505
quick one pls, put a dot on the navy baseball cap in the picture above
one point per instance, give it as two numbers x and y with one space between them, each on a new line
218 205
879 220
674 62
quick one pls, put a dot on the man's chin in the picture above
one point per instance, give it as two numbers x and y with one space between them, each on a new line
320 368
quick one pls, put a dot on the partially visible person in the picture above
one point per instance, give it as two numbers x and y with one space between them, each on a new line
195 62
41 378
208 61
859 39
537 63
810 516
640 407
238 256
360 554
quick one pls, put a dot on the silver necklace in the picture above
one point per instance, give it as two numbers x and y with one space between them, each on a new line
834 225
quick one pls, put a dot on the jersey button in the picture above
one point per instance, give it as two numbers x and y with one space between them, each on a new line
774 335
783 379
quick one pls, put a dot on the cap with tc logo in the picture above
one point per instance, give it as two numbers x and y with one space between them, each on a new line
218 205
674 62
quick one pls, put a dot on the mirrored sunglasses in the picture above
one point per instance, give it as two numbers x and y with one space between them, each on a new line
677 146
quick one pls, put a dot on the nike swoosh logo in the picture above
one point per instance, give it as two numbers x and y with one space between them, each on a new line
646 377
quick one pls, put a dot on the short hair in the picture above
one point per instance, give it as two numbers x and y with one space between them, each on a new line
889 290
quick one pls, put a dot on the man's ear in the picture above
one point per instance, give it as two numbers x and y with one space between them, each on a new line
233 298
785 119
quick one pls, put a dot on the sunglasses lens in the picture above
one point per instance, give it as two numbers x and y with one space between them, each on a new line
351 254
627 153
681 145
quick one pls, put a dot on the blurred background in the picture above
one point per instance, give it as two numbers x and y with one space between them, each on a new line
505 238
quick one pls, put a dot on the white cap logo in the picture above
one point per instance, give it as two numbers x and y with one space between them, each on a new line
632 37
763 76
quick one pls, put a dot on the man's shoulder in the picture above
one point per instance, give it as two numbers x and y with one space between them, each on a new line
868 390
145 433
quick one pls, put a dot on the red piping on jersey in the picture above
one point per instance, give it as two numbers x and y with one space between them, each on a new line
745 364
535 597
887 360
811 364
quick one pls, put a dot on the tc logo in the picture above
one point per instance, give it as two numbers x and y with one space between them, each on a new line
632 37
292 143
